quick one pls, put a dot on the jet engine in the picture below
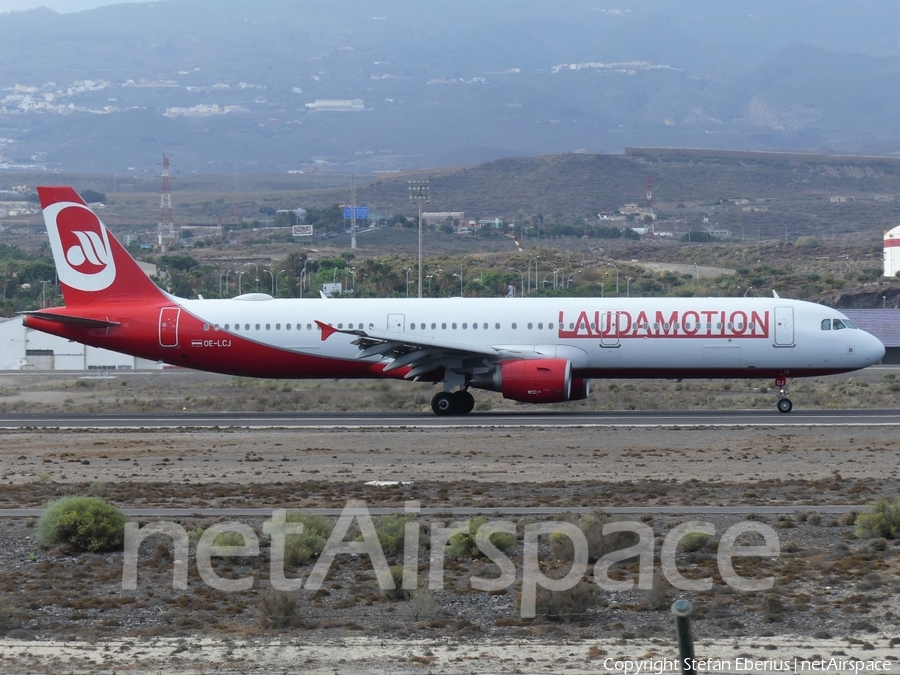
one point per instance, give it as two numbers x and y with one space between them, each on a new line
533 381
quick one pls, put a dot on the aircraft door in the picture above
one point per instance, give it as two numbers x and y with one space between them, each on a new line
784 326
396 323
609 328
168 326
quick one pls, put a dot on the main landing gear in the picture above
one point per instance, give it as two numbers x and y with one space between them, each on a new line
453 403
784 403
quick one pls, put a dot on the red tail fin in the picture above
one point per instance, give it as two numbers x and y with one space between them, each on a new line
90 263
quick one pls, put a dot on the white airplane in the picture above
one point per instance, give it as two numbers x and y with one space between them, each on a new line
541 350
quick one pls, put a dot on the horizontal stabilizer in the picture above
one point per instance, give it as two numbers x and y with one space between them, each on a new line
68 320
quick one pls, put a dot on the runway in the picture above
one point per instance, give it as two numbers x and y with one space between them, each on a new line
260 512
379 420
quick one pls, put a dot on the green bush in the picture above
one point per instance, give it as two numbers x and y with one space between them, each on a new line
599 545
462 545
880 520
694 541
84 523
390 531
398 592
299 549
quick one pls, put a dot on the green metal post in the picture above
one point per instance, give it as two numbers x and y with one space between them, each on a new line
681 608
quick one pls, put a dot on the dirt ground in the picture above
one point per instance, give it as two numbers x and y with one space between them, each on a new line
834 596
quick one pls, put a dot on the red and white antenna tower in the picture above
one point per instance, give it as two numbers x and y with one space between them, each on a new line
650 204
166 230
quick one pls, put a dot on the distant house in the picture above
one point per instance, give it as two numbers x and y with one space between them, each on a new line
440 217
839 199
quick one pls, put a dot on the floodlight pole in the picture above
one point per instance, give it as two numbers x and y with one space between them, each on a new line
418 192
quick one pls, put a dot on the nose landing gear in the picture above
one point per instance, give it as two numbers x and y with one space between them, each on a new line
784 403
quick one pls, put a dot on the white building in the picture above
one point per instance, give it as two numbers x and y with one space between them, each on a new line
337 105
24 348
892 252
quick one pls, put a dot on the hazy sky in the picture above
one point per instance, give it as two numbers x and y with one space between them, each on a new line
61 6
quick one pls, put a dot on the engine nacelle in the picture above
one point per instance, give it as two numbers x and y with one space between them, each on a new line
532 381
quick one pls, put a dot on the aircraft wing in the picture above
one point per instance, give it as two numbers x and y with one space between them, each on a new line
424 354
68 319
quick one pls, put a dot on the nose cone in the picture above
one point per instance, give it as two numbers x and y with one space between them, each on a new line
873 349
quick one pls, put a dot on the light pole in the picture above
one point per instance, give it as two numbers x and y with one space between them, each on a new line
256 275
302 273
418 192
883 299
43 295
628 287
535 259
613 265
460 283
408 269
749 288
273 280
696 272
240 275
280 272
522 277
429 285
227 272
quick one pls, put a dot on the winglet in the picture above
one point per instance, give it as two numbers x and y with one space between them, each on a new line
775 294
327 331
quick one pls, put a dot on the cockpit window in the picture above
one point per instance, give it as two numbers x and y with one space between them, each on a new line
826 324
849 324
838 324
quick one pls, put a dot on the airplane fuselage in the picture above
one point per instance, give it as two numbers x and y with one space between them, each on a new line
621 337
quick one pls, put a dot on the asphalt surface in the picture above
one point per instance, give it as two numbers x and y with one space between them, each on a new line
468 511
351 420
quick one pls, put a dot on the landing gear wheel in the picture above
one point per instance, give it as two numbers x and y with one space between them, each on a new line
785 405
444 403
464 402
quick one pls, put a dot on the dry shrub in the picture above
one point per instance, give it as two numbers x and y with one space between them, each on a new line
657 598
397 592
9 617
299 549
567 606
278 609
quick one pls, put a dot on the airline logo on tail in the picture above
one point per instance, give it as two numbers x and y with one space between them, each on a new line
80 245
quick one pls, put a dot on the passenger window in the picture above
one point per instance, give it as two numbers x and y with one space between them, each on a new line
412 326
838 324
247 326
750 326
485 326
443 326
433 326
277 326
540 326
550 326
340 325
454 325
514 326
371 326
257 326
474 326
593 326
309 326
529 326
497 326
465 325
226 326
